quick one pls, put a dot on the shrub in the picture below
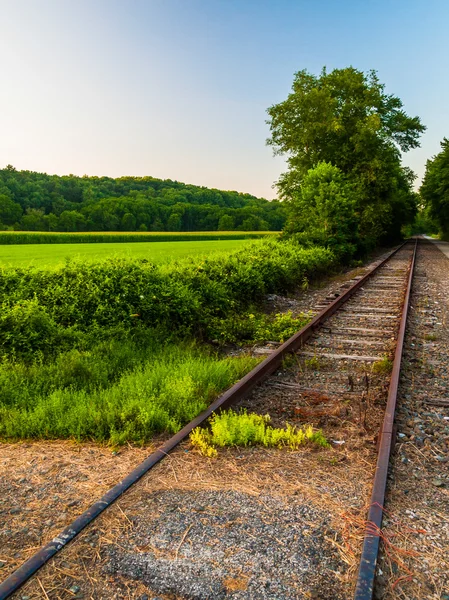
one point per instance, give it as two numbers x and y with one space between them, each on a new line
184 297
258 327
26 329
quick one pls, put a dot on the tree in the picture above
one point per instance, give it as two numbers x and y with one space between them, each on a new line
10 211
125 203
174 222
71 220
128 222
435 188
226 223
325 209
33 220
346 119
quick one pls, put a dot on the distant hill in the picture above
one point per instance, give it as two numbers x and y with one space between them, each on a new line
32 201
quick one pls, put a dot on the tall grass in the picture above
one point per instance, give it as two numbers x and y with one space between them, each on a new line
113 397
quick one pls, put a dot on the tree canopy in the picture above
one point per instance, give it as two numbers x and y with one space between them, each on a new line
435 188
346 119
40 202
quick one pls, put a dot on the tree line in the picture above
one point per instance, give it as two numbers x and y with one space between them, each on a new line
434 215
32 201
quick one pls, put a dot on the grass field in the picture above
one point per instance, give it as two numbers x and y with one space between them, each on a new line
93 237
51 255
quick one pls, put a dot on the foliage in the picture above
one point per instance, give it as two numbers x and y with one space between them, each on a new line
27 329
229 428
96 351
423 223
435 188
323 210
184 297
39 202
345 118
73 397
256 327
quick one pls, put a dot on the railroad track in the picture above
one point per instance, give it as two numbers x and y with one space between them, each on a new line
343 357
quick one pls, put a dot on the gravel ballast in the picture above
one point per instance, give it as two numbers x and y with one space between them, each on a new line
203 545
415 556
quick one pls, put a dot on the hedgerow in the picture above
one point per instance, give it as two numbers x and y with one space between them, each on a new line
48 308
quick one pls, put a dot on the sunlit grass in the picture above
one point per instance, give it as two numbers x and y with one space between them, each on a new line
53 255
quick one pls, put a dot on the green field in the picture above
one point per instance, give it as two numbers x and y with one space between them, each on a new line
53 255
93 237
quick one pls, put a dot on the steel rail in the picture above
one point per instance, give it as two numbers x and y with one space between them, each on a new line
235 393
370 551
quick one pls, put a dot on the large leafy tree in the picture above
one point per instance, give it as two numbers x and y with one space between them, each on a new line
435 187
345 118
323 211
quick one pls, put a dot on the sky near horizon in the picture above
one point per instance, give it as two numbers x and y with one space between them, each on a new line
178 89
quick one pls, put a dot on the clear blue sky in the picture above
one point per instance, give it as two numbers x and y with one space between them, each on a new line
179 88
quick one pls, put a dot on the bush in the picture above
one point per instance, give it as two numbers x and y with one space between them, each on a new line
184 297
258 327
26 329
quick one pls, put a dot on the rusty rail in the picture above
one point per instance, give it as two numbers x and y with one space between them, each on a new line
235 393
368 562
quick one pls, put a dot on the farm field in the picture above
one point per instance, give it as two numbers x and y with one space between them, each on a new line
52 255
92 237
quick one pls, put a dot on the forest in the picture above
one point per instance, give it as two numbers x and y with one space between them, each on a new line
32 201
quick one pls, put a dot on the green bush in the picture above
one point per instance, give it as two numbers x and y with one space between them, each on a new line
257 327
26 329
184 297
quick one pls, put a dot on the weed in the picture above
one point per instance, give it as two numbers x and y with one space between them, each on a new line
430 337
257 327
382 367
170 386
312 363
289 361
246 429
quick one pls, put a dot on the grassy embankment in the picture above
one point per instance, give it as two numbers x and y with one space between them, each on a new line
104 350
